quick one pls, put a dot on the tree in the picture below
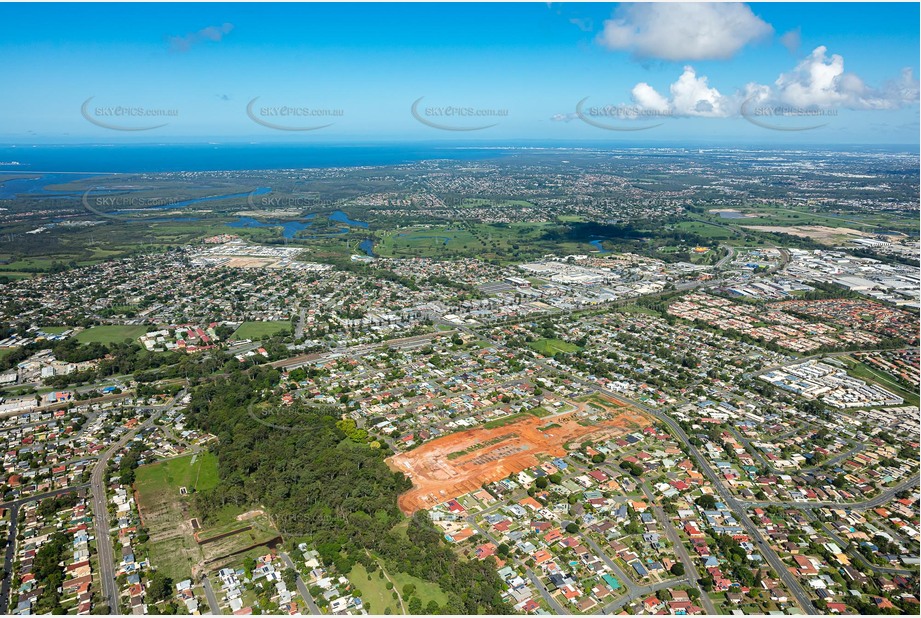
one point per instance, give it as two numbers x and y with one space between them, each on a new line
159 587
289 576
677 569
542 482
706 502
572 527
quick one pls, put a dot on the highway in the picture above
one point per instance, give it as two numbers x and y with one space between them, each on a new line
409 342
104 548
739 510
301 586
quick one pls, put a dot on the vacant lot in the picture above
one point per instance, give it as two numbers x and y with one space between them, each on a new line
549 347
819 233
55 330
374 591
426 591
111 334
260 330
487 458
164 511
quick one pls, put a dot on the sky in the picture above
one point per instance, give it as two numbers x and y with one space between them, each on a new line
625 73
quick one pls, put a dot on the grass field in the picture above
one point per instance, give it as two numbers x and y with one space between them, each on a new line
373 591
426 591
549 347
111 333
598 402
260 330
55 330
179 472
505 243
705 230
512 418
863 371
165 512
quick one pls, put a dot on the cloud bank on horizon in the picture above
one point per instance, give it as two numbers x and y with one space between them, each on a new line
718 31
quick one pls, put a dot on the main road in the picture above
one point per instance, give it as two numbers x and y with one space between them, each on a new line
883 497
100 509
737 507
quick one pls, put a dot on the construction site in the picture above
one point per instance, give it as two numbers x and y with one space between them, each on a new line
461 462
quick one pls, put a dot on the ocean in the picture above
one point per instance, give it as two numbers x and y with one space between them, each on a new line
154 158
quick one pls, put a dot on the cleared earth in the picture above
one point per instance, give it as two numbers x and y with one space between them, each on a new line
462 462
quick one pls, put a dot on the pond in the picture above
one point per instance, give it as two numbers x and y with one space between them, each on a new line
597 245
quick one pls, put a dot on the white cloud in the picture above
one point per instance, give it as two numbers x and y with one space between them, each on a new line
646 97
683 31
821 81
818 81
690 95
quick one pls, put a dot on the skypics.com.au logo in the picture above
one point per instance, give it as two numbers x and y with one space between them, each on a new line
778 117
290 117
455 117
620 117
125 117
115 206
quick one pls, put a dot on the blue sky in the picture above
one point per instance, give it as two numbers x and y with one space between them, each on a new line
842 66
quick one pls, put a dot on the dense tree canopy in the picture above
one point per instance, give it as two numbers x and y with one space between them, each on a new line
322 481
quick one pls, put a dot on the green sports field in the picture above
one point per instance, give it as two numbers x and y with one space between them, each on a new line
260 330
549 347
111 334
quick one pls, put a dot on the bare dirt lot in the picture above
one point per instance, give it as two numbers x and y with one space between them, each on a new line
505 450
249 262
819 233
